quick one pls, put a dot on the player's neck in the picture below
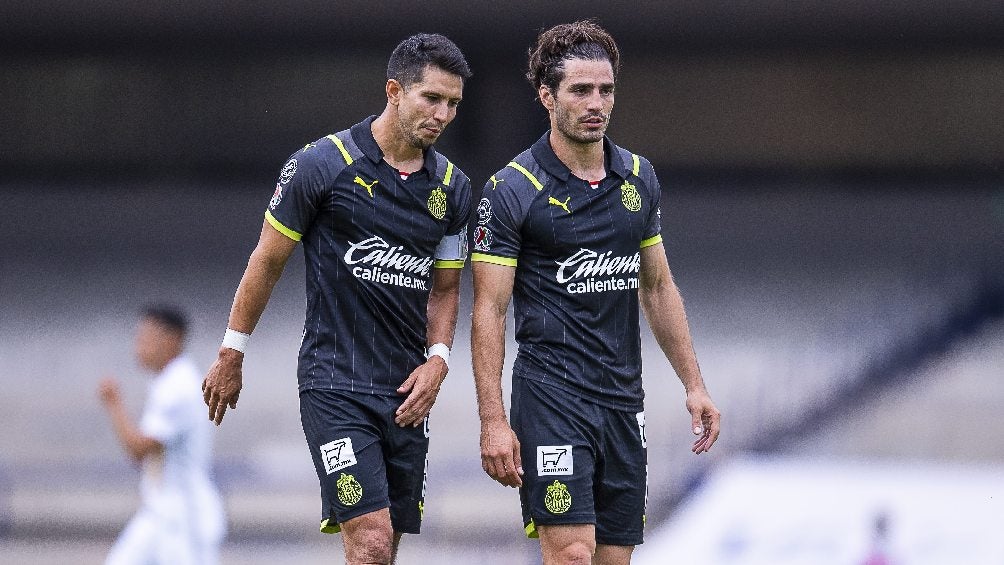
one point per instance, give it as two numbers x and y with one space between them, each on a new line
396 150
585 160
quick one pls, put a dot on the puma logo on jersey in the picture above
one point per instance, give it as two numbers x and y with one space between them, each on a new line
560 204
495 181
368 187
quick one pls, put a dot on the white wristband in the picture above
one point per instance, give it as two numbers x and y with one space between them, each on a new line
236 340
440 349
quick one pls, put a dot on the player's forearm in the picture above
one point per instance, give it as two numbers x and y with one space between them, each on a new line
443 308
136 445
488 354
664 309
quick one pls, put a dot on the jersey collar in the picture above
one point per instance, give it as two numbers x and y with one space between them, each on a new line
362 134
545 156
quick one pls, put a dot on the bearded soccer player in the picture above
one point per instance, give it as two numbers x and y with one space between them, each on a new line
382 217
570 230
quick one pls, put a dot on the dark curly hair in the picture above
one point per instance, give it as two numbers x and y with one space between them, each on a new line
580 40
411 56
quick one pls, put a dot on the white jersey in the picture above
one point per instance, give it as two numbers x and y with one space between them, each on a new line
181 520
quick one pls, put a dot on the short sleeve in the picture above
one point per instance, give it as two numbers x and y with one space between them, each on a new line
297 194
462 204
452 251
497 236
653 222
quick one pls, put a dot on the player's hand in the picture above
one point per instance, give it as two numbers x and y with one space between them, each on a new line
500 453
422 387
223 383
108 391
705 420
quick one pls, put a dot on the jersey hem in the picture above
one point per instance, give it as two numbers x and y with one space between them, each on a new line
390 392
604 401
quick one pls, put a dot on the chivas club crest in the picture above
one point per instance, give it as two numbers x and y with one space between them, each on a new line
437 203
557 500
630 197
349 490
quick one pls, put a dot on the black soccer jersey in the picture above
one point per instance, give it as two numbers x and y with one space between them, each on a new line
576 250
370 240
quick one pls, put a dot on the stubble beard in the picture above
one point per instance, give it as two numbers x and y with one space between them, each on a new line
567 126
412 137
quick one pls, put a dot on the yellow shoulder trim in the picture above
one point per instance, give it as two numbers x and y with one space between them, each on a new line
493 259
341 147
449 173
657 238
442 264
281 228
329 527
527 174
531 530
635 164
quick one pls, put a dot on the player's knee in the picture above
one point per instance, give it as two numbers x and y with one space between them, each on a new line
371 555
369 548
575 553
368 540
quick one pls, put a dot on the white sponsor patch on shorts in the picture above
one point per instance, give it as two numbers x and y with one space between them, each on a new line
554 460
337 454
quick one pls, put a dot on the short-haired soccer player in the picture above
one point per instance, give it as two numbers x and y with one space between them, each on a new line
180 520
570 230
382 217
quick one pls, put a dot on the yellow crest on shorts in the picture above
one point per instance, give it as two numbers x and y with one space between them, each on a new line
630 197
557 500
437 203
349 490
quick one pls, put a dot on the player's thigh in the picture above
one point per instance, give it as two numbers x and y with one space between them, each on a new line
612 554
567 543
368 538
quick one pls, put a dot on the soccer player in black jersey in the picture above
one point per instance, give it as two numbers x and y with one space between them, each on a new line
570 231
383 221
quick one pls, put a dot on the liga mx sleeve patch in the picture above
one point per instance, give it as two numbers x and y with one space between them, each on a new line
337 455
554 460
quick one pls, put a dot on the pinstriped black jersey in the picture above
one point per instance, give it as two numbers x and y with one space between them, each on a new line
370 240
576 250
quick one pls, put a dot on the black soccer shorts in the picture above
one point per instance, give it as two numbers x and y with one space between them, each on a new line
583 463
364 460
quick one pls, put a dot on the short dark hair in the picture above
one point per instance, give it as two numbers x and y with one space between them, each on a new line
411 56
169 316
584 39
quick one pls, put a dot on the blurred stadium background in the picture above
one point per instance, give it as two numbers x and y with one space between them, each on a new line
834 214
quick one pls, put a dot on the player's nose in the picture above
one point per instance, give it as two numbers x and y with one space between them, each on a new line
442 112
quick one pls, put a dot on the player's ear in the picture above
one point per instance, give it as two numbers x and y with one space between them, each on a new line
394 91
546 98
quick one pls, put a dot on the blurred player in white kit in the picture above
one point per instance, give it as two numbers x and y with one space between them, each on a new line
181 519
